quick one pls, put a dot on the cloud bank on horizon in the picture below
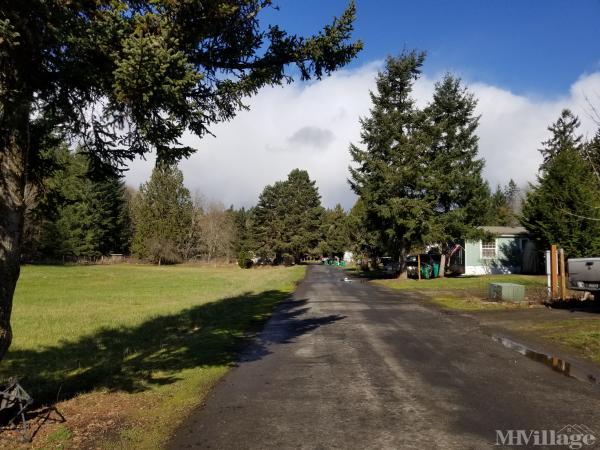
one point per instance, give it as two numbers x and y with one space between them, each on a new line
310 126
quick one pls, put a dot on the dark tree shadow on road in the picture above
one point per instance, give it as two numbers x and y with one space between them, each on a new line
132 359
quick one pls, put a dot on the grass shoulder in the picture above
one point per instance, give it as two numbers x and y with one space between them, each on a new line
469 293
581 334
465 282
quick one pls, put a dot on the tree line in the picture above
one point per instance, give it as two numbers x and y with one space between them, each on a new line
75 217
417 174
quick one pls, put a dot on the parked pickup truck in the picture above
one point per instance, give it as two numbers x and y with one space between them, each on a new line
584 275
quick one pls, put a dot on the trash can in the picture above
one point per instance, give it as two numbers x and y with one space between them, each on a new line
425 271
436 270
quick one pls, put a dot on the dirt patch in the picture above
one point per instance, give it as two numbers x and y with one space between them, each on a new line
82 422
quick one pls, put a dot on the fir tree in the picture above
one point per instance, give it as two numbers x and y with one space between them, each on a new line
78 216
162 215
335 240
564 135
419 175
304 215
287 218
364 241
268 230
591 151
387 170
453 168
564 207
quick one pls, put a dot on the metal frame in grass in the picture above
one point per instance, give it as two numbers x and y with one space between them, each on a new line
13 396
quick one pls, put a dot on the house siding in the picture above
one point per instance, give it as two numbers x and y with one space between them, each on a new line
508 257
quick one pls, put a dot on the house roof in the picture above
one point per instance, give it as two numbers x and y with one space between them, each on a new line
506 231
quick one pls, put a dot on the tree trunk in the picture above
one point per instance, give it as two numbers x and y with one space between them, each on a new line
402 273
14 127
442 265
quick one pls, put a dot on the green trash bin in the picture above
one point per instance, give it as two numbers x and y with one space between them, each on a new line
425 271
436 270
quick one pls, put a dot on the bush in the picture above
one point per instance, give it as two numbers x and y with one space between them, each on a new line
244 259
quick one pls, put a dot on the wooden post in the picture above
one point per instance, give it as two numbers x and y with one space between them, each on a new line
419 266
553 272
563 283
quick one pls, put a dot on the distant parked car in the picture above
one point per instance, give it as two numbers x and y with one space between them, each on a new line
391 268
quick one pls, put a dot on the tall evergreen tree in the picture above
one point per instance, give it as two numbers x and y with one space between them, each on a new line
162 216
335 238
303 219
364 241
419 175
243 220
79 216
504 206
564 207
499 210
564 135
591 151
94 220
287 218
453 170
387 171
268 231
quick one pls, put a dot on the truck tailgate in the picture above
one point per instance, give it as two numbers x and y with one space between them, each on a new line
584 274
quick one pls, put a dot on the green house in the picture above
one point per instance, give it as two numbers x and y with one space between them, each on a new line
510 250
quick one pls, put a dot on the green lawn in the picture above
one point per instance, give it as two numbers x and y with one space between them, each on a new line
150 341
466 282
470 292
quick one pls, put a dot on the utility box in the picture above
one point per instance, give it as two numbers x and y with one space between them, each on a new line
511 292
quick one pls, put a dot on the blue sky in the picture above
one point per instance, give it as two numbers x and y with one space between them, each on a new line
523 60
530 47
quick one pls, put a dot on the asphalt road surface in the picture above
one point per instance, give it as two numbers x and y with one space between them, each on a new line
351 366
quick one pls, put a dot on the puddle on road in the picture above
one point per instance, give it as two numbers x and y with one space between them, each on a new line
557 364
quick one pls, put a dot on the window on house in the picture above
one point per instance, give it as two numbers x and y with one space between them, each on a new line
488 249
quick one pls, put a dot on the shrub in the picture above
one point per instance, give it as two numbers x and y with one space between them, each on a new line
244 259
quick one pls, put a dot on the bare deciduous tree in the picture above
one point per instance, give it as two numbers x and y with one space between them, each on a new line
217 231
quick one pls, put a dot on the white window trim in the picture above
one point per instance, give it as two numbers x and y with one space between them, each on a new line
481 250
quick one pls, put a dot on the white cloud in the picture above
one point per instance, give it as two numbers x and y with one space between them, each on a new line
285 126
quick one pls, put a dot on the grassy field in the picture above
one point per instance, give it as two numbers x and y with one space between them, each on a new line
129 349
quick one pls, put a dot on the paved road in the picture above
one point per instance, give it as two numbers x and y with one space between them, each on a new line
347 365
